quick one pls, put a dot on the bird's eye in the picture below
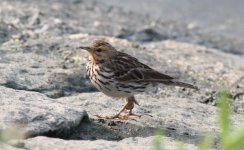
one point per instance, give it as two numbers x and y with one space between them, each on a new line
99 50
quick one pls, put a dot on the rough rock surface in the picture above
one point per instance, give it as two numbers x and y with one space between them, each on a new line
129 143
36 114
44 90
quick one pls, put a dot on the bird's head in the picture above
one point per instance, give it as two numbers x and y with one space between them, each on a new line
99 50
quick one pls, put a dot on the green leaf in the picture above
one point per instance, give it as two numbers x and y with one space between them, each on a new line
180 145
235 140
224 114
205 143
157 142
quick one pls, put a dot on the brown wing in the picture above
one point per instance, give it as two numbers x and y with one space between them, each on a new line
129 69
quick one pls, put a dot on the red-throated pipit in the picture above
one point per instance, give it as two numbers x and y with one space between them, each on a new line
120 75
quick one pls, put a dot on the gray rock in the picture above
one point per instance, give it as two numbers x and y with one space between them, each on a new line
184 119
34 114
176 111
36 66
129 143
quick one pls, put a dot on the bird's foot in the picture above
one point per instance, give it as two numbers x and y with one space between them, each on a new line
129 116
129 105
108 117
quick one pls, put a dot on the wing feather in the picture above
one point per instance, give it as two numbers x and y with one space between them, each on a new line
129 69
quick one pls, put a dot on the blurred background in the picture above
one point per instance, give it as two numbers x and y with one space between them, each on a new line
220 16
216 24
217 20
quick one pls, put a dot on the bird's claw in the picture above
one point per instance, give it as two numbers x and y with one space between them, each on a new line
121 117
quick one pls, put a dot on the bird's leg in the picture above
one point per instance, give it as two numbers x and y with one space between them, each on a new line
118 114
129 105
120 111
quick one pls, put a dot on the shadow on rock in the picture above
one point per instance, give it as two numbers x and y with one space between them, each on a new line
66 85
116 130
59 84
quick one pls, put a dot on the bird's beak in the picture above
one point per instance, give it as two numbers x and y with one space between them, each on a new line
84 47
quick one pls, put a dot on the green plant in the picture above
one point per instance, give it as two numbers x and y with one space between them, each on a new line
229 140
180 145
157 142
10 134
205 143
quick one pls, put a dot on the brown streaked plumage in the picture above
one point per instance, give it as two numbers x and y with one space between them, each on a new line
120 75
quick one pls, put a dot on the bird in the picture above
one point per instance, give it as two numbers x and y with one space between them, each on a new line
120 75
